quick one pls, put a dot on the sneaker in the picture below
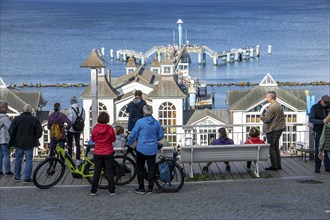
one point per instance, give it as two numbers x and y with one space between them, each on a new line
1 173
112 194
317 171
28 181
270 168
140 191
148 191
9 173
17 179
327 170
93 194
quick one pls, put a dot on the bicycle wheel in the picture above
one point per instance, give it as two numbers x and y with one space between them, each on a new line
48 173
103 181
177 178
127 170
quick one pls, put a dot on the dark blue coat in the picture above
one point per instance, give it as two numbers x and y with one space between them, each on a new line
135 110
25 131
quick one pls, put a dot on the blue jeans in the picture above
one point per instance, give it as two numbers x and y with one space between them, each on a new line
19 153
5 155
318 162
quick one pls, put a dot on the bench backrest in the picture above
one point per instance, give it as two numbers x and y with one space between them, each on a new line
224 153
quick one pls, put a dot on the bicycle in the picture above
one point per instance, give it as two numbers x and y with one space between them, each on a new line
127 171
50 171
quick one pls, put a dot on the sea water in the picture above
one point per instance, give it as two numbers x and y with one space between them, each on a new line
46 42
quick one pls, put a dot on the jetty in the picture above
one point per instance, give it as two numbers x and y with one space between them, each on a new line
228 56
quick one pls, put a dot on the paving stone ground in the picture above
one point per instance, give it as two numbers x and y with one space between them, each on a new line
305 197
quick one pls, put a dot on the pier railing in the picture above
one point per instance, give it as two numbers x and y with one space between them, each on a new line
295 136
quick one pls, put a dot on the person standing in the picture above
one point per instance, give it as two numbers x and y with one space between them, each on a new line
4 139
274 124
73 114
63 122
324 147
222 140
135 109
318 112
25 131
103 135
147 131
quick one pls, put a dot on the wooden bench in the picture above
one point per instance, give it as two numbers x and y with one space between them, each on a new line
224 153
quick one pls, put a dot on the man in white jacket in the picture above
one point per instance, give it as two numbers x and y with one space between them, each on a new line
4 139
73 113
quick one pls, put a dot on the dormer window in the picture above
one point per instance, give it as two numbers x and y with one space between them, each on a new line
167 70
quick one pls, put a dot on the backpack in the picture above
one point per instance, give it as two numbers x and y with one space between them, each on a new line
55 132
164 172
79 123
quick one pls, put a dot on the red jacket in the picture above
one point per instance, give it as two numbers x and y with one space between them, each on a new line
103 135
254 140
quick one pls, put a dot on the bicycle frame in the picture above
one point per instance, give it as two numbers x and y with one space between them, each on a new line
68 161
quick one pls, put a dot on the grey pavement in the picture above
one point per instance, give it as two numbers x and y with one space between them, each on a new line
305 197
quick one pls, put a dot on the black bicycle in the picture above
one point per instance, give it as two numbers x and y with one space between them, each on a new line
127 171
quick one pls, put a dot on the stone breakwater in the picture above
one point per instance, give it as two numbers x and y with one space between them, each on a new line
314 83
40 85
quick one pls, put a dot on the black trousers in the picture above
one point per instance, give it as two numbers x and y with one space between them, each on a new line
107 162
151 163
76 136
273 139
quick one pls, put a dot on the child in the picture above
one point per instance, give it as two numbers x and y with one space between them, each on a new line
254 134
103 135
120 137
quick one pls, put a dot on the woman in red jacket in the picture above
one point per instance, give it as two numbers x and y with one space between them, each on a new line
103 135
254 134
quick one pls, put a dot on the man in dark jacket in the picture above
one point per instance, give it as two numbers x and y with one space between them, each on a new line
318 112
25 131
135 109
64 123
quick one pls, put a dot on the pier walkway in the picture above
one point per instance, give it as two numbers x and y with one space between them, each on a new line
228 56
292 167
292 193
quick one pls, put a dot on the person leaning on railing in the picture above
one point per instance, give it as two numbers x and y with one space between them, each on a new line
324 147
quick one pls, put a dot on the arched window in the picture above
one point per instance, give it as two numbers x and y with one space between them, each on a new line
167 117
123 113
102 108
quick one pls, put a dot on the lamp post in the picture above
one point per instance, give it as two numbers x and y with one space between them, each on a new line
94 62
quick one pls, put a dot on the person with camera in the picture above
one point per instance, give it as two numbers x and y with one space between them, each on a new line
273 125
147 131
318 112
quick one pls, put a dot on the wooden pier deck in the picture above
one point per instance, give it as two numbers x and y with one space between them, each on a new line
291 167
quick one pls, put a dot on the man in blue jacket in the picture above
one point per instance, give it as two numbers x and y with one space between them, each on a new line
148 132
